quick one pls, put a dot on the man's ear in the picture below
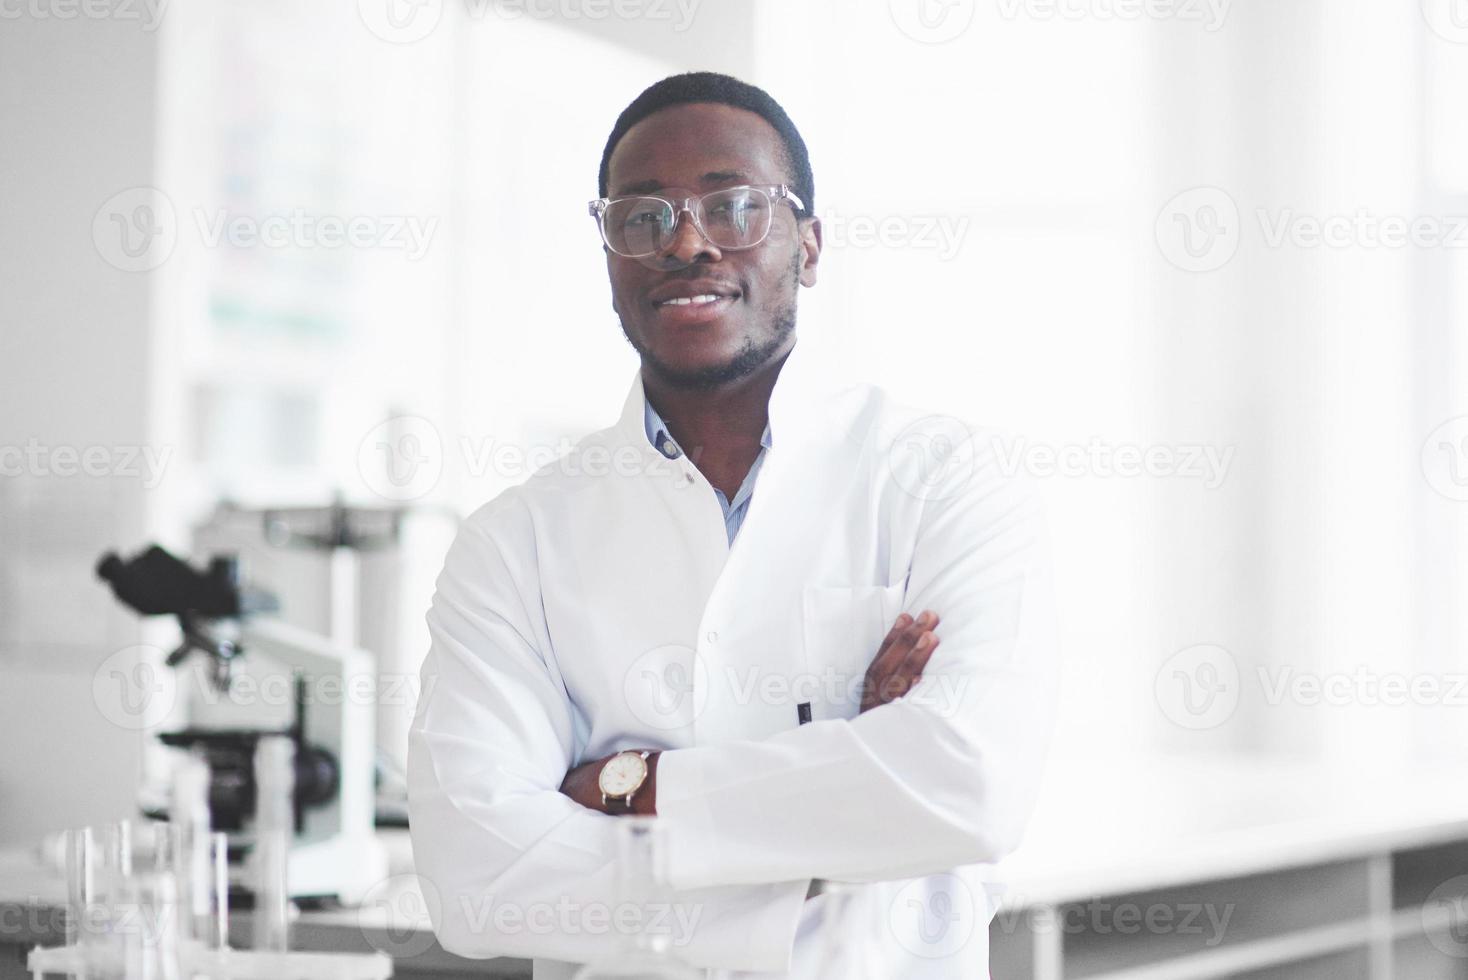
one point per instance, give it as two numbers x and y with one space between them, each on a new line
810 247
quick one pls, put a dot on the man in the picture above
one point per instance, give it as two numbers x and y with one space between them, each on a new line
705 614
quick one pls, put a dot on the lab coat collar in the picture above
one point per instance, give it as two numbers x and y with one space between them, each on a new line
797 402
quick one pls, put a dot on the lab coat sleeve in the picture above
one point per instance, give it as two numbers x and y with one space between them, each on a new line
509 866
943 777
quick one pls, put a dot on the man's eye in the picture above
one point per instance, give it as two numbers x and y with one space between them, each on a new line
735 207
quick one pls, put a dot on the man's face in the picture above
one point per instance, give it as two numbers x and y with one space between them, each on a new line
689 150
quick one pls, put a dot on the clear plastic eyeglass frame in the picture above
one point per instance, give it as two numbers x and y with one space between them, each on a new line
694 206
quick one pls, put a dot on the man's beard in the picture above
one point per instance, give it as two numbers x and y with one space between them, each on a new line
750 357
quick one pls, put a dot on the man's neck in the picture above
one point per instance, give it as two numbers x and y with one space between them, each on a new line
718 428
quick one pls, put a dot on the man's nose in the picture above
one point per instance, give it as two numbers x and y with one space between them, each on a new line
688 245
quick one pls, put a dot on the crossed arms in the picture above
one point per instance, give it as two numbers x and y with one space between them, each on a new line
500 809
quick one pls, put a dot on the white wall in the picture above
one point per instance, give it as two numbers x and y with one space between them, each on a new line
1061 133
77 109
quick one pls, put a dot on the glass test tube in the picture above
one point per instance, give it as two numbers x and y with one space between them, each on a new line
218 937
81 891
274 827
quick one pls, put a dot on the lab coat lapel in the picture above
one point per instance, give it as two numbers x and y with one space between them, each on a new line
752 591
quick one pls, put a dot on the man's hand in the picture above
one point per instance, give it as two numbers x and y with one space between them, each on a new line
581 785
900 660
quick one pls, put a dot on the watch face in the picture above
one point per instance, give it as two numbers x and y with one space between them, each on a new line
622 774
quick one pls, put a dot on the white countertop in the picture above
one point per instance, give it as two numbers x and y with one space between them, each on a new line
1106 826
1102 827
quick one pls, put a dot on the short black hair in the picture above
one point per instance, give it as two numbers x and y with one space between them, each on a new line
708 86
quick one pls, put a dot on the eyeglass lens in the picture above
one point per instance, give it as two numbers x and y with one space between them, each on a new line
735 218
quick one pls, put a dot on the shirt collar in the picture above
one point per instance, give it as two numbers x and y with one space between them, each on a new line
796 403
662 440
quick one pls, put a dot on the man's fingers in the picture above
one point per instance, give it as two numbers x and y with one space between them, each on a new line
913 664
885 685
900 659
910 671
900 652
902 623
900 639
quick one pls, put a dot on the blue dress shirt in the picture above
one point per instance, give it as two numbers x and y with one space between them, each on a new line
734 511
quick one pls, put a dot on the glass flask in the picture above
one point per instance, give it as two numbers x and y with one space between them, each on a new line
648 950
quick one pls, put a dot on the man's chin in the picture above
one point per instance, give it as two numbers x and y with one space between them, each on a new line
701 357
698 373
696 367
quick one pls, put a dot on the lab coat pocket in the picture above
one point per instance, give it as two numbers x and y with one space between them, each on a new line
842 627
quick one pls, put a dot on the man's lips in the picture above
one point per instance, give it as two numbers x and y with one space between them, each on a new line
695 301
694 309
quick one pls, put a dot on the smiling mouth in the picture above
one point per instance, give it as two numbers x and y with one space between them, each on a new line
702 310
703 300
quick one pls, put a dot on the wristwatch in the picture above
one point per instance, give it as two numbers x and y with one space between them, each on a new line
622 775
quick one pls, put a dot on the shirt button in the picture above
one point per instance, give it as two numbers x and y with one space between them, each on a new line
712 637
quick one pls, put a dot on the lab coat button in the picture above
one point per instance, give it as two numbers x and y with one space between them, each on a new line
712 637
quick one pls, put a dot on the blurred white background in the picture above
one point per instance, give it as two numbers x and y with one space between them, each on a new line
1205 259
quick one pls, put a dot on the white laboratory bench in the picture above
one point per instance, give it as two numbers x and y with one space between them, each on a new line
1313 871
1164 871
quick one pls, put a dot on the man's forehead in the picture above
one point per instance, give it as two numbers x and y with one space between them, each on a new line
697 145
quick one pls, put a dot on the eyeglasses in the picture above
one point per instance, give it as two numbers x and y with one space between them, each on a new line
730 218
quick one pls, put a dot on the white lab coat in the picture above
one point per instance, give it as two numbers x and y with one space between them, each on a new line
599 606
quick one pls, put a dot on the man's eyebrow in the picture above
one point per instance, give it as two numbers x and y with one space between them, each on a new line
712 177
723 176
